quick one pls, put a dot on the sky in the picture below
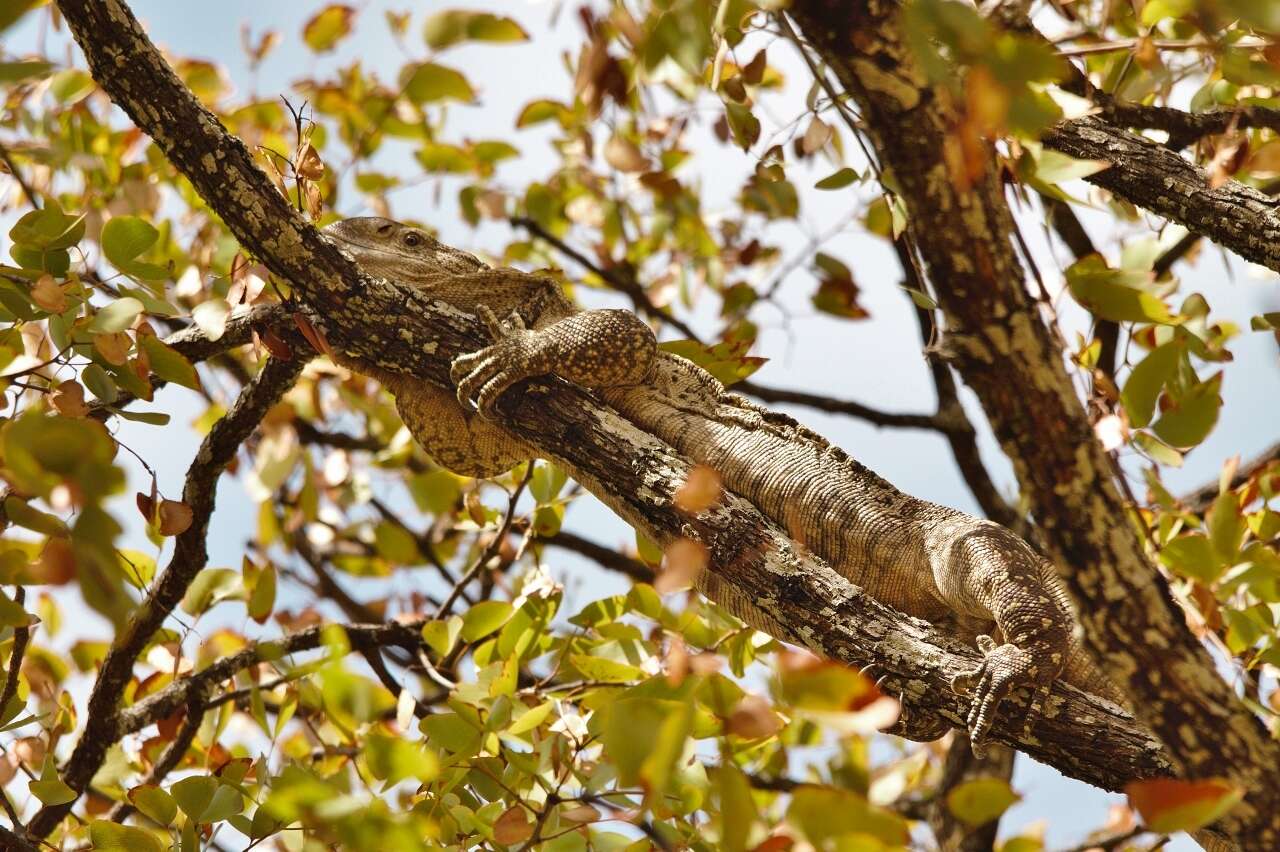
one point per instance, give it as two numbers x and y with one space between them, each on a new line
877 362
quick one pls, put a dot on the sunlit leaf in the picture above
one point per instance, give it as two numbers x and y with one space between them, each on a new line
1168 805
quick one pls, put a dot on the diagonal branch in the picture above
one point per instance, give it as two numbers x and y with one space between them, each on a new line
633 472
101 727
998 340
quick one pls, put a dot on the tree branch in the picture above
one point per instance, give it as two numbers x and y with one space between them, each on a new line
999 342
1148 174
633 472
101 726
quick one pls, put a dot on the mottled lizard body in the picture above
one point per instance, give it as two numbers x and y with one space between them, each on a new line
974 576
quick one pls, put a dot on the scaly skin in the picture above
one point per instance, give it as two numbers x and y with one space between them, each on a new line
976 577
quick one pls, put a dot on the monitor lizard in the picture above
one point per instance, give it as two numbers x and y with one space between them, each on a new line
971 575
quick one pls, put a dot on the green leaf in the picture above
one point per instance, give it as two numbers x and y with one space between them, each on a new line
441 635
263 598
154 802
12 72
107 836
100 383
125 238
530 718
727 361
429 82
11 10
1191 416
12 614
1192 556
456 25
1226 526
194 795
168 363
50 789
23 514
1142 388
1053 167
838 180
981 800
484 618
645 737
328 26
47 229
1109 294
605 670
153 418
117 316
211 586
536 112
825 814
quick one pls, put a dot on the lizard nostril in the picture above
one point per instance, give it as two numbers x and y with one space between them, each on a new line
385 229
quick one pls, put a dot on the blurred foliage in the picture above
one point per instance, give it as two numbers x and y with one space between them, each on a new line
649 718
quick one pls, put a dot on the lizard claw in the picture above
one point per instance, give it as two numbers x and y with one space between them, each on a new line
1003 669
516 353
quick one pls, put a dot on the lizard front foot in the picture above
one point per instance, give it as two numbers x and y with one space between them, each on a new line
1003 669
517 353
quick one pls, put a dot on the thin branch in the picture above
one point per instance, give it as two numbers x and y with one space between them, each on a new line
21 636
1199 500
189 557
490 551
607 556
173 754
16 174
842 406
624 283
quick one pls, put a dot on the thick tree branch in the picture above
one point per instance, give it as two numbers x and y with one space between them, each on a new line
1148 174
101 720
636 474
1008 356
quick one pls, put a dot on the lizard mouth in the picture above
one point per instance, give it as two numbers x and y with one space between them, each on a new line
340 232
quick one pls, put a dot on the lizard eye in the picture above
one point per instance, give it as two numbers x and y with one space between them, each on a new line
412 239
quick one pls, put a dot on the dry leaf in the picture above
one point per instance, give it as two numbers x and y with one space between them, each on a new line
309 165
313 335
624 156
816 136
753 719
681 565
114 347
701 490
175 517
580 813
513 826
48 295
57 563
68 399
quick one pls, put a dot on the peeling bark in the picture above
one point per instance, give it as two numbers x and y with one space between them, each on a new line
1009 357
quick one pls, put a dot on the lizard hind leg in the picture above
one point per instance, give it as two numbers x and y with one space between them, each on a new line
459 440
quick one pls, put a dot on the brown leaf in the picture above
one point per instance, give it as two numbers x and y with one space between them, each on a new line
146 505
513 826
276 344
68 399
677 661
753 71
624 156
313 335
57 563
308 163
1227 161
681 565
114 347
175 517
580 813
817 135
700 491
48 295
753 719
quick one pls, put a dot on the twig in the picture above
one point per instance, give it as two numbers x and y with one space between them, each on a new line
18 178
172 755
490 551
219 447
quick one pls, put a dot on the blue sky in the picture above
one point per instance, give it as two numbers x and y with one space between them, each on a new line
876 362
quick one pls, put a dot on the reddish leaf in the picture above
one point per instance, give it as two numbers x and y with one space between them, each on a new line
313 335
1170 804
175 517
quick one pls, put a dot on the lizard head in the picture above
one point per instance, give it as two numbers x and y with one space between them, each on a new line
391 249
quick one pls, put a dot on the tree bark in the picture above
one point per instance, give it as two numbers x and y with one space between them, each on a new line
1015 365
398 329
